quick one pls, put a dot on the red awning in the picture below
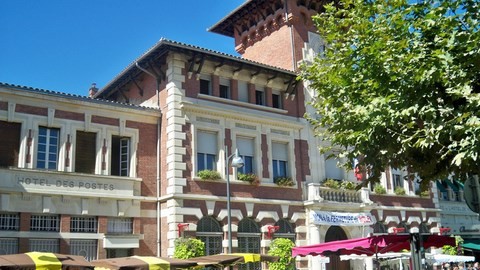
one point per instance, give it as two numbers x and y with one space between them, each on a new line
371 245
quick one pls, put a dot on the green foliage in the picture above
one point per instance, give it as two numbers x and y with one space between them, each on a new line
399 85
284 181
379 189
399 191
209 175
248 177
186 248
331 183
282 247
348 185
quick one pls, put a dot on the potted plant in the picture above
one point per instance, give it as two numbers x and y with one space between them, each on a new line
248 177
209 175
283 181
379 189
331 183
399 191
348 185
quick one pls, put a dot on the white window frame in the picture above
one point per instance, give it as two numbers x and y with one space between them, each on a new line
8 246
199 149
9 221
43 223
86 248
48 138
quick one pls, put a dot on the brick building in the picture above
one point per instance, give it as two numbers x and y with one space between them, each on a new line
178 110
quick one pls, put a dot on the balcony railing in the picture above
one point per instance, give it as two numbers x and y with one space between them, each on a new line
316 192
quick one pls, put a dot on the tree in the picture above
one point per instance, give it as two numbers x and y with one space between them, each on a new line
186 248
281 247
399 85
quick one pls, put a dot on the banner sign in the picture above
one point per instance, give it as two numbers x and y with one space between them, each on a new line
341 218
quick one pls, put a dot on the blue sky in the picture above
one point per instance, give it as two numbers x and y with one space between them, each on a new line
65 45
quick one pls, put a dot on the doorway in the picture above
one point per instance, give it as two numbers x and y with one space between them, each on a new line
335 233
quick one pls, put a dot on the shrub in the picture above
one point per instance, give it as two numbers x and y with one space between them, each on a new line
399 191
281 247
248 177
379 189
186 248
283 181
209 175
331 183
348 185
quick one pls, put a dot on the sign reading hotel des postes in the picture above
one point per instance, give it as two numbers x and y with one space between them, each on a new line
64 183
341 218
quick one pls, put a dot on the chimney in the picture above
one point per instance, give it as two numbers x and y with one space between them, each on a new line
93 90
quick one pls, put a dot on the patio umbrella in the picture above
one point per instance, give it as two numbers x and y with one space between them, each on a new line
142 263
43 261
232 259
371 245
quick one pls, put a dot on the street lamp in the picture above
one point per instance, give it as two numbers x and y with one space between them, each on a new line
237 162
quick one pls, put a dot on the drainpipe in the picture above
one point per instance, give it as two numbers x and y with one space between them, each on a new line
292 38
159 124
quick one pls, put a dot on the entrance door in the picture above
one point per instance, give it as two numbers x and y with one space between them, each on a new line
335 233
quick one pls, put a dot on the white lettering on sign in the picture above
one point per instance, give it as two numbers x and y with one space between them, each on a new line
340 218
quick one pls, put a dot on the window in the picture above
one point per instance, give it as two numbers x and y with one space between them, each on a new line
259 97
249 241
83 224
379 228
10 143
120 159
84 248
247 152
397 180
224 88
44 245
9 222
85 153
120 225
205 85
276 100
242 91
285 230
8 246
210 233
47 148
332 171
279 158
45 223
119 252
206 150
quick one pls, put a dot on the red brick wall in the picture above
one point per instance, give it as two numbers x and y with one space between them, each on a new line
264 146
146 156
412 201
105 120
3 105
20 108
65 223
69 115
302 160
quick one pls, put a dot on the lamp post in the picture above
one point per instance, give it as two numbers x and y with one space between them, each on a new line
237 162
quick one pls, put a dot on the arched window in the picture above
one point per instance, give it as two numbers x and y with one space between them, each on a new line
423 228
210 233
285 230
379 228
249 241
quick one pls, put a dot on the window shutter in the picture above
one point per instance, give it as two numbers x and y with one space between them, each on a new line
85 154
279 151
207 142
10 143
245 146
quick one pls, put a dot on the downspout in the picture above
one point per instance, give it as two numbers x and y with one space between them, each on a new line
159 136
292 38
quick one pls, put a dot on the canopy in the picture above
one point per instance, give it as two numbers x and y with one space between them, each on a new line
371 245
142 263
43 261
233 258
471 244
430 257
